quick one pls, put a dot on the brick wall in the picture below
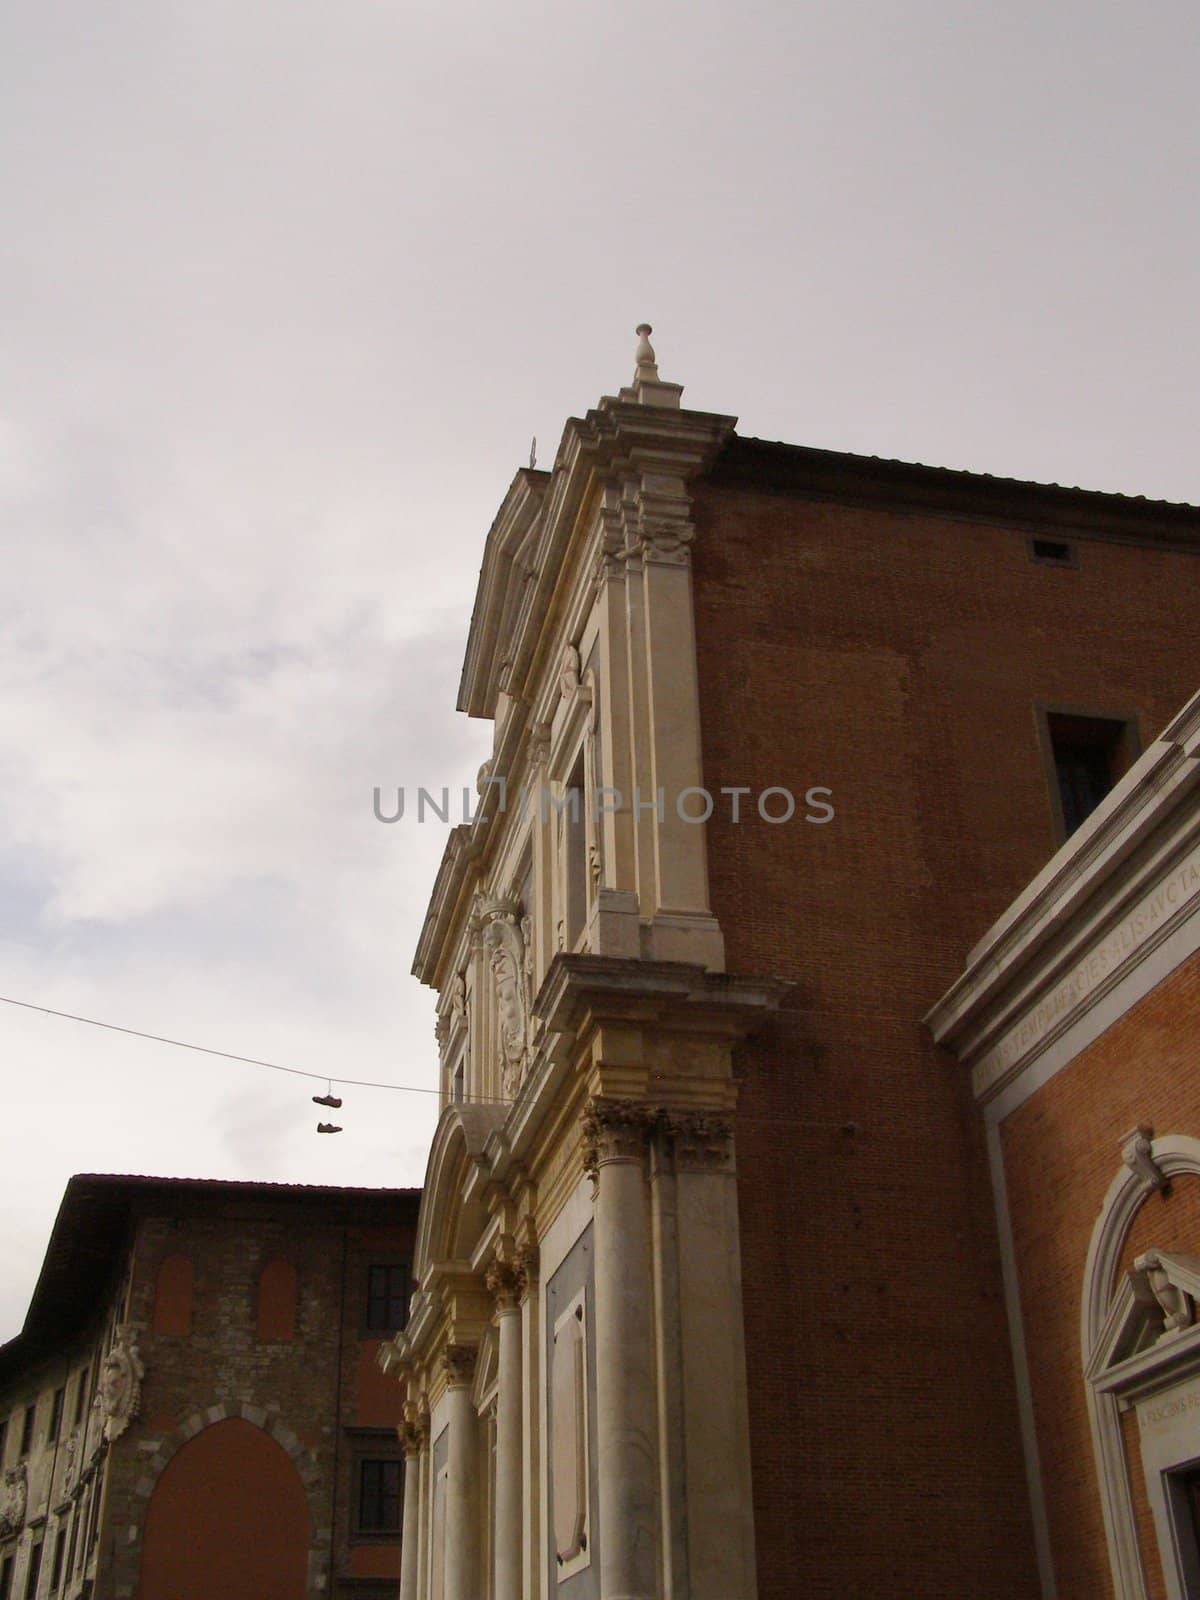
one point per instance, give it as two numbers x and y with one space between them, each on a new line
316 1393
897 657
1061 1153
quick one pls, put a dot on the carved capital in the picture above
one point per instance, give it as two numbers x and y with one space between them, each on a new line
503 1279
458 1363
1136 1148
529 1260
701 1140
413 1435
615 1130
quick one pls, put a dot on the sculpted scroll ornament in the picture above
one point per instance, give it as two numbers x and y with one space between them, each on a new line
12 1500
120 1387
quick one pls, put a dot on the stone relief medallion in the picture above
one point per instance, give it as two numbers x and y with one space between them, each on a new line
12 1500
120 1387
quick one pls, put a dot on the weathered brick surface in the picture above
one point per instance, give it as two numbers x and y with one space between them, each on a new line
897 658
309 1392
1061 1153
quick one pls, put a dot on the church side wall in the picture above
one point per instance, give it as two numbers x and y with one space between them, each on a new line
898 659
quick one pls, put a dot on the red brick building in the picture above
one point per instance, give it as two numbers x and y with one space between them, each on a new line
712 1294
1077 1015
194 1407
916 640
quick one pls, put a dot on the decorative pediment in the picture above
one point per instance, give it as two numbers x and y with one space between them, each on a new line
1154 1307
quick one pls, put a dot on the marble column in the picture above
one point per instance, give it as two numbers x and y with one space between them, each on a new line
503 1279
615 1137
462 1479
413 1439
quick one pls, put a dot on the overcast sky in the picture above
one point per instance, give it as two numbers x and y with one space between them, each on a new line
286 290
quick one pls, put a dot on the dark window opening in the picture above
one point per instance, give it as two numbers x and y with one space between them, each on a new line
56 1415
379 1490
35 1571
1054 551
387 1297
27 1429
56 1572
81 1395
1090 754
575 852
6 1578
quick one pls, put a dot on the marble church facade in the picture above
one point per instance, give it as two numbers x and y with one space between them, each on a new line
709 1298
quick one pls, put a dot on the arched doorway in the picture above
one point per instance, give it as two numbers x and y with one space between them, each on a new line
228 1517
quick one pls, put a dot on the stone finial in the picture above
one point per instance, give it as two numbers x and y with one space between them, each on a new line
647 388
647 366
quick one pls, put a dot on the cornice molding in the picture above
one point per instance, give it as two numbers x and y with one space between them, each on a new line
1123 882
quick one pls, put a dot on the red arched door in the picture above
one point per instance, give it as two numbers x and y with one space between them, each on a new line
229 1518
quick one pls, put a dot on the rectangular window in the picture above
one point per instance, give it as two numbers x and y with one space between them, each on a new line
27 1429
81 1394
387 1297
74 1541
379 1492
35 1571
56 1572
56 1415
1089 755
6 1578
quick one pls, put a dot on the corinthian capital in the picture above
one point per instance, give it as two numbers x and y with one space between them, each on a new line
615 1130
700 1139
503 1279
458 1363
412 1435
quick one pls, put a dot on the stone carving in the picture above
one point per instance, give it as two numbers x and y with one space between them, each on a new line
458 1362
615 1130
458 1001
12 1500
503 1280
70 1464
504 943
701 1139
529 1262
1174 1302
120 1388
413 1435
1136 1154
569 673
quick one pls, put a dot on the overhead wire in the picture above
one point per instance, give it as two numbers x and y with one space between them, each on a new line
355 1083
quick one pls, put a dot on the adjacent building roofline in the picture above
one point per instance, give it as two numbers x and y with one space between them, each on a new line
93 1229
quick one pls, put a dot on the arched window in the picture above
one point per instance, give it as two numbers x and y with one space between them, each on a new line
173 1291
277 1301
